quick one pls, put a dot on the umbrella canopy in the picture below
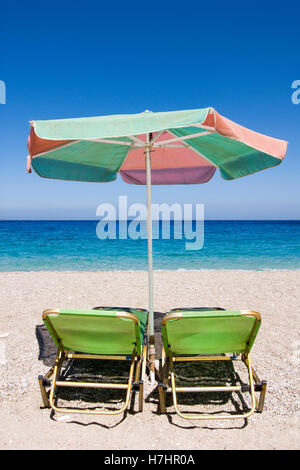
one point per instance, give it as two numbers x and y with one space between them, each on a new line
187 147
179 147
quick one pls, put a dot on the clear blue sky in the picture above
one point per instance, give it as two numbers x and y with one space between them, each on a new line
71 59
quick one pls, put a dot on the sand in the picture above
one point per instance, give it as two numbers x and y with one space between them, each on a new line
275 356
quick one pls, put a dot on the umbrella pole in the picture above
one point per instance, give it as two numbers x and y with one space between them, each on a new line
151 344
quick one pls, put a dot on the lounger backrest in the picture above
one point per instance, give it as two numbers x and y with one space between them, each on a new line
107 332
210 332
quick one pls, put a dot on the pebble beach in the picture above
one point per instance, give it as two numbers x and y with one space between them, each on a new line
275 357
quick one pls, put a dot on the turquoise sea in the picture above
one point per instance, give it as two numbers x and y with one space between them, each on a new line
74 246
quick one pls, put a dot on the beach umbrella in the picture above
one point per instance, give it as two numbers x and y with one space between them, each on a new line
177 147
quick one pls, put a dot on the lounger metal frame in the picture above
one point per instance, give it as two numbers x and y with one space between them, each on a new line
137 370
168 373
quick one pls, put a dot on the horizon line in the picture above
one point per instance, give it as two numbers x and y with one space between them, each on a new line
128 220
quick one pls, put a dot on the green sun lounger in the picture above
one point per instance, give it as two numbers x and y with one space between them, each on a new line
209 335
108 333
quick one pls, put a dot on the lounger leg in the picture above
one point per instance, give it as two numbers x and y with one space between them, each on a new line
166 369
162 399
263 389
56 372
143 375
43 392
165 379
262 397
263 386
141 397
137 379
43 382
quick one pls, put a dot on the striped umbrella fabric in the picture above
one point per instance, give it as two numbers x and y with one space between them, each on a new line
186 148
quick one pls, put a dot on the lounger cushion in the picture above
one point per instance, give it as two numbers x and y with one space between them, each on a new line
97 331
210 332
